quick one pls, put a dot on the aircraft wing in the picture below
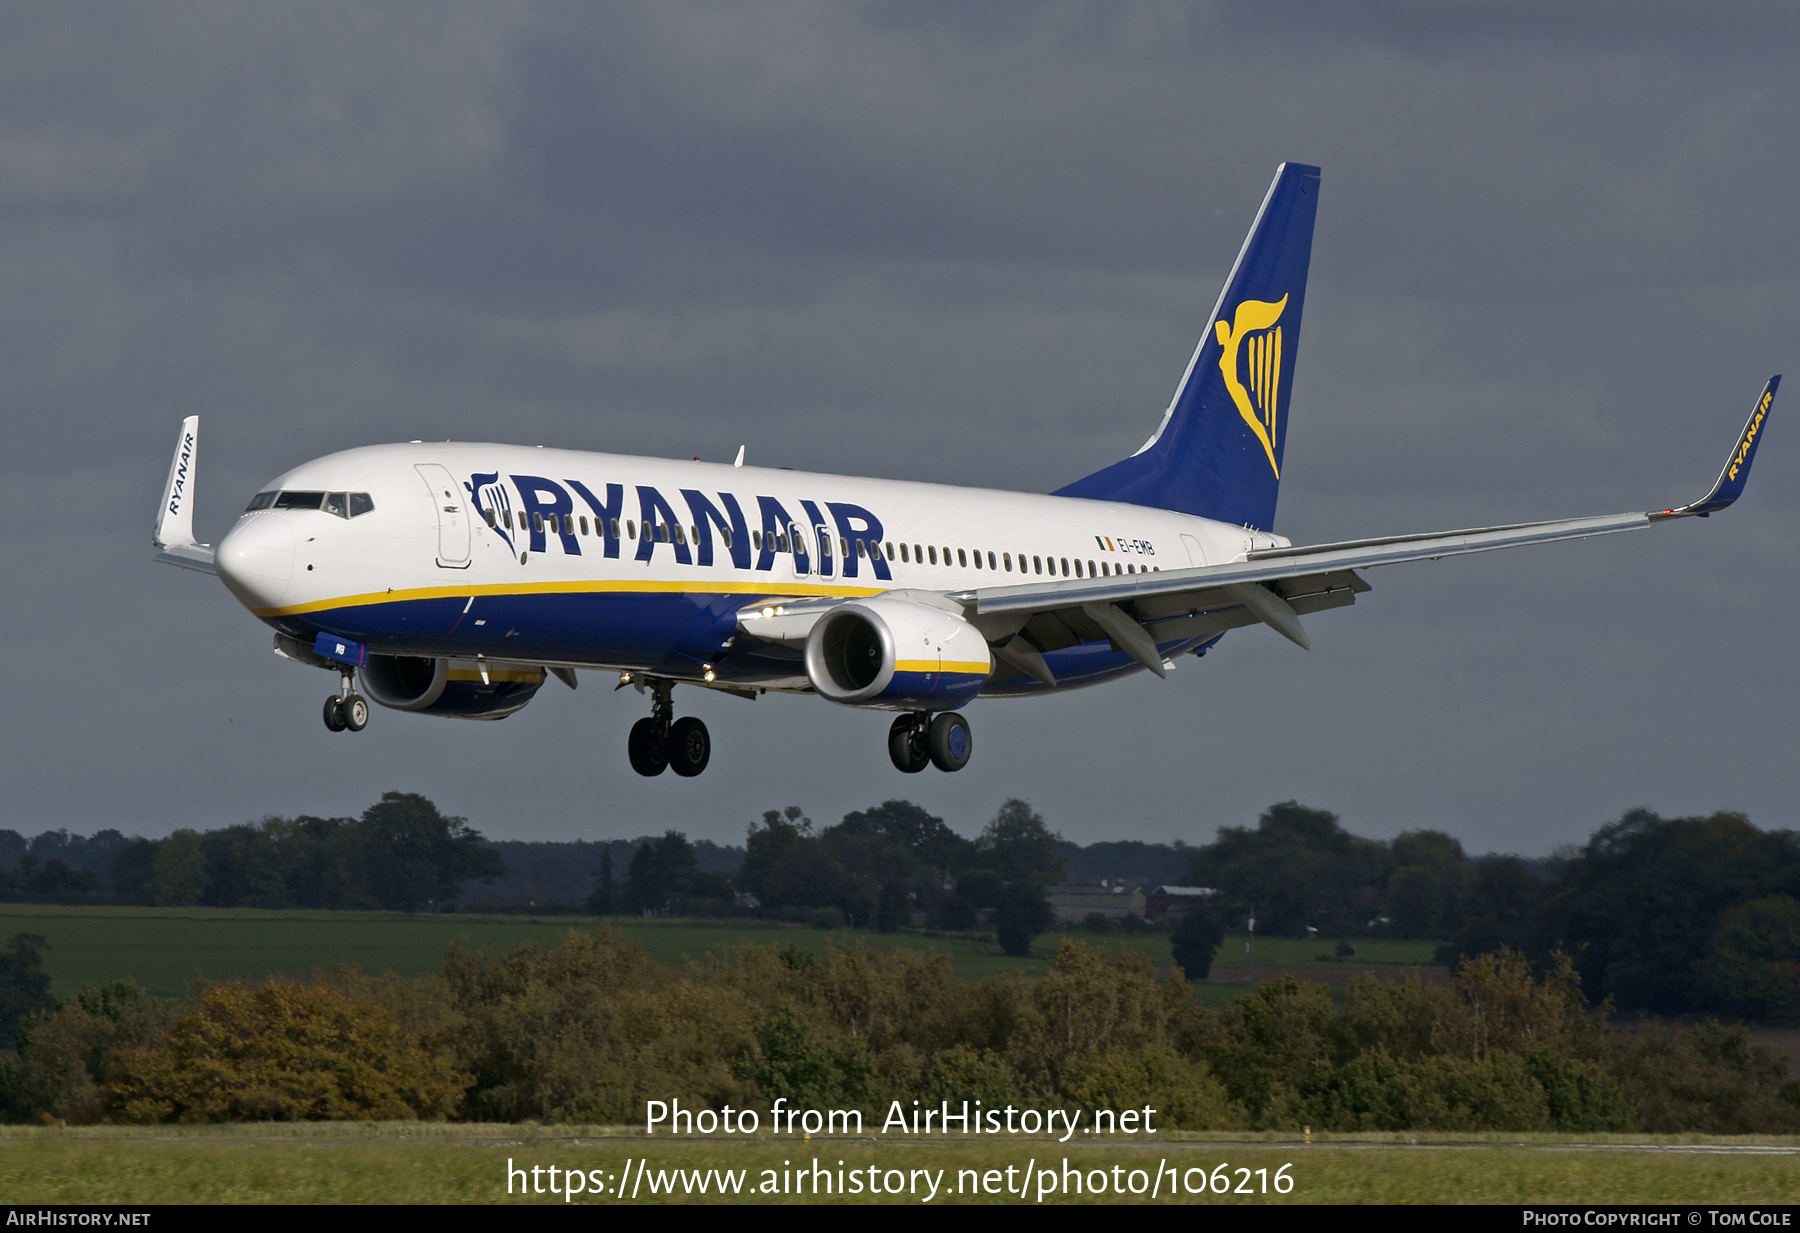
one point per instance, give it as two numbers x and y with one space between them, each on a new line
1277 586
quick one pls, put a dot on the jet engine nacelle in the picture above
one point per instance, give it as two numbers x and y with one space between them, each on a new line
896 655
451 688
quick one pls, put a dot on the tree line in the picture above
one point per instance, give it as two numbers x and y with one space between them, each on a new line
1664 915
401 854
1670 916
587 1031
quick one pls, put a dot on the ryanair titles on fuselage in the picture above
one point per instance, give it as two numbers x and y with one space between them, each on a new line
544 503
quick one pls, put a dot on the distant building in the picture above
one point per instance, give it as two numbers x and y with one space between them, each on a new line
1074 901
1176 902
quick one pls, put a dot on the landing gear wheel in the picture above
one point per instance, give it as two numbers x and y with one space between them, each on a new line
906 744
689 747
355 712
649 753
334 714
950 741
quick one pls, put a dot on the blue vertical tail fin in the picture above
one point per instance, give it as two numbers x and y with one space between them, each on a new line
1217 452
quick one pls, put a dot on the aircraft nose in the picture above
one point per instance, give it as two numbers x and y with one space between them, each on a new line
256 559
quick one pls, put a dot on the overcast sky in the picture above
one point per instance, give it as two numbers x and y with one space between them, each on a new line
1556 258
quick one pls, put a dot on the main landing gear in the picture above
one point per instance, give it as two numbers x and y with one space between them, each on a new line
346 708
944 740
661 741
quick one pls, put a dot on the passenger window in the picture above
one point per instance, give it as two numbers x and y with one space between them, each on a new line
992 564
679 537
890 549
962 558
946 555
261 500
630 529
1006 561
1065 565
1090 569
919 556
1037 565
934 554
905 555
725 536
537 522
584 524
492 518
978 558
1078 567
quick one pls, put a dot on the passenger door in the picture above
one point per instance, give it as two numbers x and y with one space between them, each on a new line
452 515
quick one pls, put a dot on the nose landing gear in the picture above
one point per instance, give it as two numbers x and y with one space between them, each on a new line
660 741
944 740
346 708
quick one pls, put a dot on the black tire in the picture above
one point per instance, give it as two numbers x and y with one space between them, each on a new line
649 754
355 712
689 748
906 745
334 715
950 741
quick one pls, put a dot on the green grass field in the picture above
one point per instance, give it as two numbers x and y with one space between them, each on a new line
431 1163
165 949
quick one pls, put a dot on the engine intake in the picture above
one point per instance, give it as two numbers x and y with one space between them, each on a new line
896 655
449 688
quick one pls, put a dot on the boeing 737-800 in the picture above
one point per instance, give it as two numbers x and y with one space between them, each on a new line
449 579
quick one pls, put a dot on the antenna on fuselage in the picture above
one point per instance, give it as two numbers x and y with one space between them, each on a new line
740 458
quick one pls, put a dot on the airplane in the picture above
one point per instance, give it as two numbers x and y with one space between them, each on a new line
451 579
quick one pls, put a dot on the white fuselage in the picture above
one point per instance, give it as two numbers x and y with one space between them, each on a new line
532 555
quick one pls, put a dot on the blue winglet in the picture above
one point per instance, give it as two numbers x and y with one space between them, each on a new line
1737 465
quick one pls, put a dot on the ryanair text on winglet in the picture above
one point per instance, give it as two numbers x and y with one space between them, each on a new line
1749 441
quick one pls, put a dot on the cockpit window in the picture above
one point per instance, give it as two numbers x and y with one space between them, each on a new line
343 504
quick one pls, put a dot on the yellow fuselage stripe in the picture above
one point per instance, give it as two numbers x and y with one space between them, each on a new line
773 586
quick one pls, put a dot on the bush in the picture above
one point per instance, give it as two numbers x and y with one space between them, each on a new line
1183 1092
66 1056
1023 913
1195 941
24 985
282 1052
1753 968
1707 1078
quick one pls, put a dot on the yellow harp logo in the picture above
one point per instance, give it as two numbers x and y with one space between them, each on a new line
1250 332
